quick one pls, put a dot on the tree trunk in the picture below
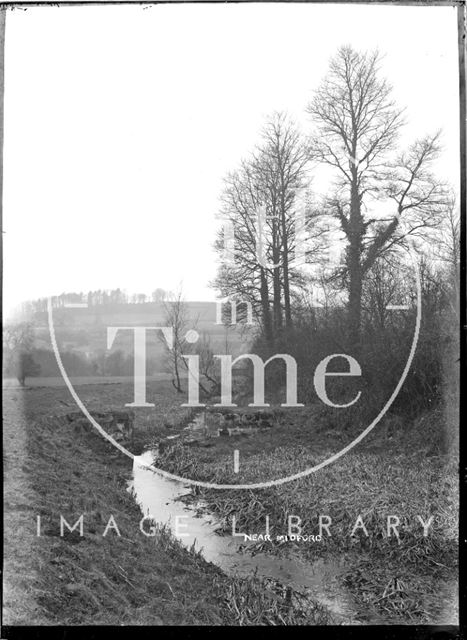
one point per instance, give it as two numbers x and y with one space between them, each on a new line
355 298
354 263
285 260
177 384
266 312
285 274
276 276
277 306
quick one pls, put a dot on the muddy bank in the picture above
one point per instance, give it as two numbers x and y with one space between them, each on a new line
165 502
116 579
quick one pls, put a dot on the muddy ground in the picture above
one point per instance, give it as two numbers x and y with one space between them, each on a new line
53 471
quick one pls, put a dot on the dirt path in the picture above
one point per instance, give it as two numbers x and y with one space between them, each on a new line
19 517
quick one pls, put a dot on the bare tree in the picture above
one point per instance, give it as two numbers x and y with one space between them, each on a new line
18 342
177 318
207 363
447 251
280 164
274 181
245 276
357 126
387 282
158 295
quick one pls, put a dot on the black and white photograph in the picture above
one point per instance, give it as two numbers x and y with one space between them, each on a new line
233 304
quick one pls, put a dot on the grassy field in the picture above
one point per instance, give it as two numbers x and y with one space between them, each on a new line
51 470
400 469
58 381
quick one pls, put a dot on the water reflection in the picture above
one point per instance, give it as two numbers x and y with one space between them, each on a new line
159 498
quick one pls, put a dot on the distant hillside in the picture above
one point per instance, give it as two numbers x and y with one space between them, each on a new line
111 314
85 329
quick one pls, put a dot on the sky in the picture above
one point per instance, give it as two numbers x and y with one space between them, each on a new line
121 122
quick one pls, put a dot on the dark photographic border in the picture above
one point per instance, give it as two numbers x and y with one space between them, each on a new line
365 631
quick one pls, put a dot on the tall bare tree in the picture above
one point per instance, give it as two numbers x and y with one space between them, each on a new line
281 164
357 127
245 276
273 180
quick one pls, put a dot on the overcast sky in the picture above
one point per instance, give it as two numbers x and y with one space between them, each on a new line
121 121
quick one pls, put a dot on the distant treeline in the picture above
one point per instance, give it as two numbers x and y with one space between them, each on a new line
96 298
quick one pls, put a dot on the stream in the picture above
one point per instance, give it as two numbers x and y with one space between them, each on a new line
159 498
